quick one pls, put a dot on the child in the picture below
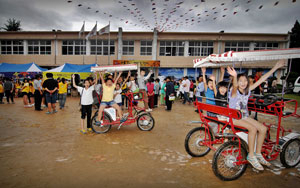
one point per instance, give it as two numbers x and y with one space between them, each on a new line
25 91
210 90
86 101
163 93
1 92
31 93
62 93
142 85
156 92
150 93
191 94
108 98
238 99
117 95
222 90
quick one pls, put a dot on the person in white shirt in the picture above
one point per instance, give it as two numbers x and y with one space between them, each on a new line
86 101
181 90
186 88
142 85
117 95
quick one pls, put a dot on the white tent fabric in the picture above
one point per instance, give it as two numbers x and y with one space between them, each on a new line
227 58
112 68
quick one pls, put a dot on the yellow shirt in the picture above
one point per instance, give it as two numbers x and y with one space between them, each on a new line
1 88
108 93
26 88
17 86
31 89
63 88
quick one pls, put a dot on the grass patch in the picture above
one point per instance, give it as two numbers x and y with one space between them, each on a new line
293 96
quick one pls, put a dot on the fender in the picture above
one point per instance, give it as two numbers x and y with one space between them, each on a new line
285 139
111 112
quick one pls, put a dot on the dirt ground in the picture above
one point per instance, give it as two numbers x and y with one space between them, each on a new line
40 150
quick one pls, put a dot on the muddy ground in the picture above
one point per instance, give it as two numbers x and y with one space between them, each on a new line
40 150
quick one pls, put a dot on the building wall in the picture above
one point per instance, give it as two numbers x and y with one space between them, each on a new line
166 61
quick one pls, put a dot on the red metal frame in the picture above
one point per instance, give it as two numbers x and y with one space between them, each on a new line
132 117
270 149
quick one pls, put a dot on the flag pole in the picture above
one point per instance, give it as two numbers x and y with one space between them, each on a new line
96 44
108 42
83 39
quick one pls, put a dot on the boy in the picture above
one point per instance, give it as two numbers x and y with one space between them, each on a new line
142 85
210 90
1 92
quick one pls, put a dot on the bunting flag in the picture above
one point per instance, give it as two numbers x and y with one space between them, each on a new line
93 32
81 30
165 16
105 29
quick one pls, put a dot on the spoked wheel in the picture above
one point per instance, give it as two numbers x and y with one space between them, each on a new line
290 155
194 142
102 128
223 163
145 122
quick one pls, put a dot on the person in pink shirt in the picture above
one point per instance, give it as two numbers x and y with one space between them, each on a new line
150 92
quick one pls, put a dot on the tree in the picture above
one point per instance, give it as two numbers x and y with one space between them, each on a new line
12 25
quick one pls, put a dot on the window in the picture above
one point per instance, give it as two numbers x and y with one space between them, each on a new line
237 46
40 47
171 48
128 47
265 45
197 48
12 47
146 47
102 47
73 47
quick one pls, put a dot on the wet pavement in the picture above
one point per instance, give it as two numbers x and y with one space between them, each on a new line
40 150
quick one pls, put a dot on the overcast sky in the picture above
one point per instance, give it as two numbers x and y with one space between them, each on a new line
261 16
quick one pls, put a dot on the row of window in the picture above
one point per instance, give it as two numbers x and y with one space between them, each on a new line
167 48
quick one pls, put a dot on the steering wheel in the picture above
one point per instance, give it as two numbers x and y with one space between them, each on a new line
267 100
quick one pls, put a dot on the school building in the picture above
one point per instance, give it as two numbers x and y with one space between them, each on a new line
174 50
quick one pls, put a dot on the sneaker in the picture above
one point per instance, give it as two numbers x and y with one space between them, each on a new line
83 131
254 162
124 118
48 112
55 111
149 110
90 130
98 123
262 160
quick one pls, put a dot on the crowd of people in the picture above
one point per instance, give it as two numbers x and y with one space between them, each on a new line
110 90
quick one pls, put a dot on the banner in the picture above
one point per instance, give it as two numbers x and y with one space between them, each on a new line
67 75
142 63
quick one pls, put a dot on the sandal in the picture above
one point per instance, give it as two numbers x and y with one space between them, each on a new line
254 162
262 160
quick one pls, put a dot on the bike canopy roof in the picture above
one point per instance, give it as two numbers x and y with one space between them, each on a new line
247 57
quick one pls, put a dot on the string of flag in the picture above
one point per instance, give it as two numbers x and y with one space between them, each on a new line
168 15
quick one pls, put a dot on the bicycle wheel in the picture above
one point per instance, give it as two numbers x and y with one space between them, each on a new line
101 129
194 141
145 122
290 155
224 159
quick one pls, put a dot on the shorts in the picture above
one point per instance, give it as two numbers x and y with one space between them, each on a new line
51 98
110 103
30 95
120 104
24 93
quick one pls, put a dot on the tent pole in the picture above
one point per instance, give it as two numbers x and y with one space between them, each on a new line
96 46
83 43
109 43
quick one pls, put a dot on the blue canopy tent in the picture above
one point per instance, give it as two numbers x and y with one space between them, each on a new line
28 69
67 69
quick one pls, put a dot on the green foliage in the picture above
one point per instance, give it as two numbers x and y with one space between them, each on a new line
12 25
295 43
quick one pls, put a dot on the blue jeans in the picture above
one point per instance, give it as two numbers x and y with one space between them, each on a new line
62 99
51 98
186 97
